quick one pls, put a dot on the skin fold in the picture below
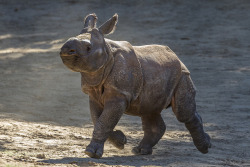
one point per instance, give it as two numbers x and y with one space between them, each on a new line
136 80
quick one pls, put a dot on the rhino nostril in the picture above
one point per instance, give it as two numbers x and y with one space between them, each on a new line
72 51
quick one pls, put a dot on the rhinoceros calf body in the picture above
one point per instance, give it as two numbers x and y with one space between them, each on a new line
136 80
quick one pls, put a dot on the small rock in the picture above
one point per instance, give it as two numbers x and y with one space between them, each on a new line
40 156
91 163
73 162
185 38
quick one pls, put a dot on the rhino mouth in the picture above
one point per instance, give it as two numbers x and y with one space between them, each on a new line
71 61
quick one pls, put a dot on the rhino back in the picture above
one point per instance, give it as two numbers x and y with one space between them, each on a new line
161 70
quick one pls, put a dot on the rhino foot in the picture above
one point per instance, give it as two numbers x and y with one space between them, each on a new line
142 151
203 147
95 149
117 139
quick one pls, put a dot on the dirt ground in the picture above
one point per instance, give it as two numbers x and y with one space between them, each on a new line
44 116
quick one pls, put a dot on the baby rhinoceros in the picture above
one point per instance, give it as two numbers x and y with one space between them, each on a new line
136 80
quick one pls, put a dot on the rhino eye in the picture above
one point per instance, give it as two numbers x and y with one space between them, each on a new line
88 48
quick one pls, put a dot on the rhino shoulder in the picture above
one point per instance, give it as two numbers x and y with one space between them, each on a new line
126 75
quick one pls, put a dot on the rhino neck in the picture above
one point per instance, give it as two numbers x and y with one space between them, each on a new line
98 77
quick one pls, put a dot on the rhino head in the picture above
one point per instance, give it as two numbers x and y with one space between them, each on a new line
87 52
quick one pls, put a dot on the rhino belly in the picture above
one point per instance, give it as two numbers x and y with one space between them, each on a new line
156 95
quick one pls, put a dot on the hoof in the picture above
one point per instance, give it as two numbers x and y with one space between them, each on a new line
118 139
142 151
203 148
94 150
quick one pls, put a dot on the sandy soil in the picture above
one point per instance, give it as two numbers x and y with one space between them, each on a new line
44 116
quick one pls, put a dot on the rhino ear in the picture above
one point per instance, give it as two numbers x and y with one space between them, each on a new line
90 21
109 26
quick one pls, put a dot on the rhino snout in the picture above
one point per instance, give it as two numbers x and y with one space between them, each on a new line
67 52
68 49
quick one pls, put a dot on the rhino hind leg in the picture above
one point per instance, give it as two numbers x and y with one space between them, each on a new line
200 138
154 128
117 139
184 107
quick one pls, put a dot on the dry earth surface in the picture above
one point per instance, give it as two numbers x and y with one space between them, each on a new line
44 116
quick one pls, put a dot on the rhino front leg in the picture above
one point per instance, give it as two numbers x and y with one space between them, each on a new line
116 138
114 107
184 107
154 128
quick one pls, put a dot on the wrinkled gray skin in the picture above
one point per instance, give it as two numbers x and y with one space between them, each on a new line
136 80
